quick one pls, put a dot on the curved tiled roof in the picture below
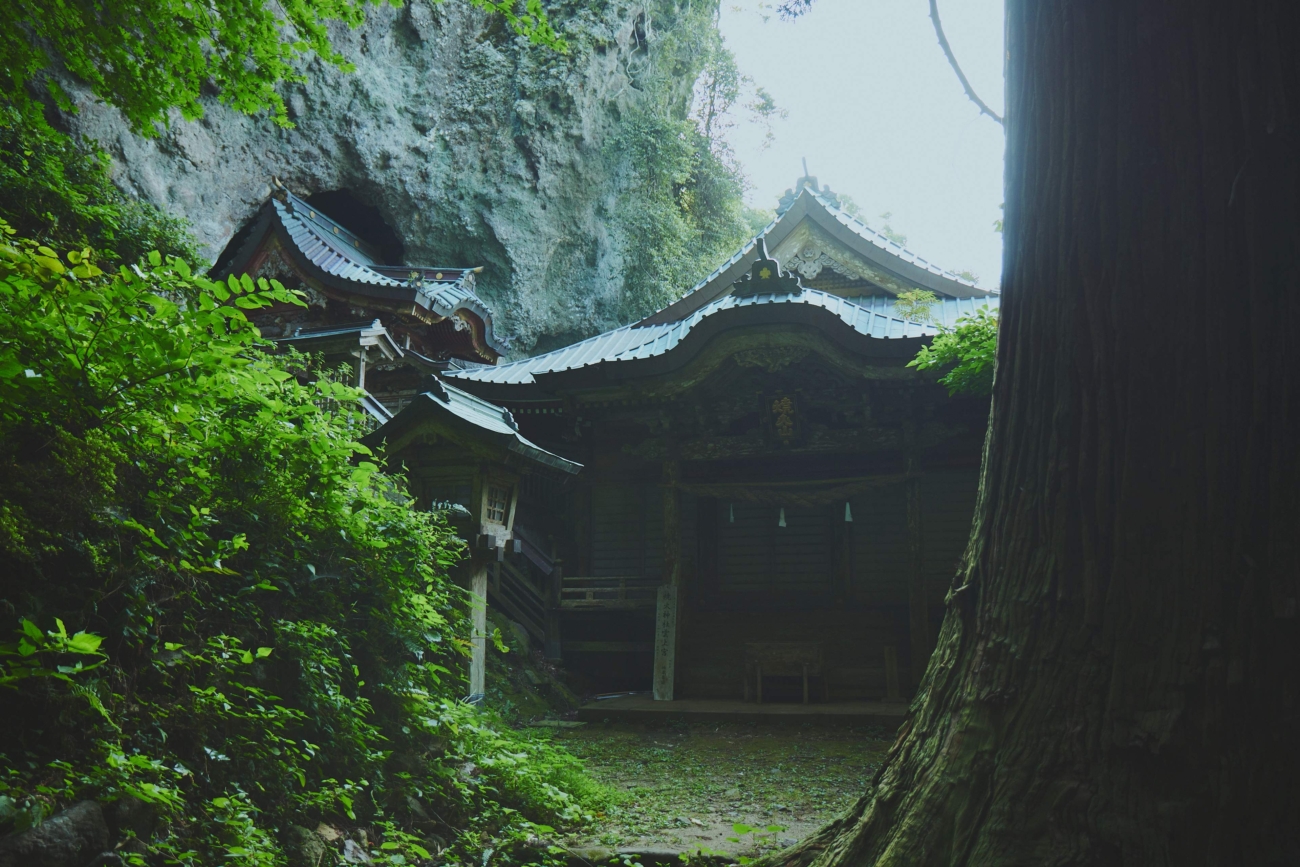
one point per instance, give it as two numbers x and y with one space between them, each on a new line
341 254
339 259
491 423
869 316
823 207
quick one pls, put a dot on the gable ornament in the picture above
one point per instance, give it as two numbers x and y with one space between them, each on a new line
765 277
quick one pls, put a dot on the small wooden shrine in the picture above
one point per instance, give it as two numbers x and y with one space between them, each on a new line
467 459
392 323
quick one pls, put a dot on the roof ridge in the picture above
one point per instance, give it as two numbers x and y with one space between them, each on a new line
952 275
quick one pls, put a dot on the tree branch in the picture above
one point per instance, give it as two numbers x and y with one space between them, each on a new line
952 59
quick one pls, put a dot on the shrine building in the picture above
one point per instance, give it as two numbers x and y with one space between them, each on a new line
771 503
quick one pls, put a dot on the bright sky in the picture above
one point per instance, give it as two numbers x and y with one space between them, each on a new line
880 115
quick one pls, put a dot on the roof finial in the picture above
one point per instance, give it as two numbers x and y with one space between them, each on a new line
805 166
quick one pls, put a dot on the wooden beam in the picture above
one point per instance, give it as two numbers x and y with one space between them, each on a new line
609 646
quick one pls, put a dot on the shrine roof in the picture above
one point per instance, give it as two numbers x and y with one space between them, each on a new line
869 316
822 208
343 260
487 422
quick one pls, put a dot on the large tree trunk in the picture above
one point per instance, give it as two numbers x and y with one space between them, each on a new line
1116 678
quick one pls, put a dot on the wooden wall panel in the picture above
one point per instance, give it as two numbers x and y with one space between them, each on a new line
755 555
880 554
947 509
626 531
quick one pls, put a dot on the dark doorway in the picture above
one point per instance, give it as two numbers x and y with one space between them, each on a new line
353 214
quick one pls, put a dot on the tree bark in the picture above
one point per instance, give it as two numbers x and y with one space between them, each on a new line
1116 679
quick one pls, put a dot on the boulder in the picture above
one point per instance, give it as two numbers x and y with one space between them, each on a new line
305 848
70 839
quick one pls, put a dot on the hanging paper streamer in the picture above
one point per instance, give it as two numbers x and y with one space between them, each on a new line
848 513
731 513
780 521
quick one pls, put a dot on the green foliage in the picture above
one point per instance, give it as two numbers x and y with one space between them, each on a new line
888 231
260 630
682 208
39 654
148 57
970 349
915 305
758 836
59 192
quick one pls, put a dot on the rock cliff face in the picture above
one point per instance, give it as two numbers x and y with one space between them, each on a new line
474 147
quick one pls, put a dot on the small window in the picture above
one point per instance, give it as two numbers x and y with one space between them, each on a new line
498 502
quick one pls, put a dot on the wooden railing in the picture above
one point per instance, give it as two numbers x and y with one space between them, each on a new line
625 592
512 589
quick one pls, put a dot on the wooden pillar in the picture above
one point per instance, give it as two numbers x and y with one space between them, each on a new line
705 581
672 525
478 589
666 608
917 610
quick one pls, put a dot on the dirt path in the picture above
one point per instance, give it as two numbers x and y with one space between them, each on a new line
685 787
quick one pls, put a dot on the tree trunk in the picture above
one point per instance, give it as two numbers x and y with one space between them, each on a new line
1116 680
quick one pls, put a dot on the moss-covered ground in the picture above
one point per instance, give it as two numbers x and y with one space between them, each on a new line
684 787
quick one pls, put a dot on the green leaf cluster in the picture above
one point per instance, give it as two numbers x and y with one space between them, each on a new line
969 351
916 305
150 57
222 605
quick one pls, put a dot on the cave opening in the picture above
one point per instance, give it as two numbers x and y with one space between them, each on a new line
363 220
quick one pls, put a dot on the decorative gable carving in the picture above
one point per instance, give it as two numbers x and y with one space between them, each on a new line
767 278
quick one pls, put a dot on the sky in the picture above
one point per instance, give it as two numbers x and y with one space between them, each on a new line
880 115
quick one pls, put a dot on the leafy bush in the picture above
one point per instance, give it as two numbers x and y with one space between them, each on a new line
970 349
224 608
